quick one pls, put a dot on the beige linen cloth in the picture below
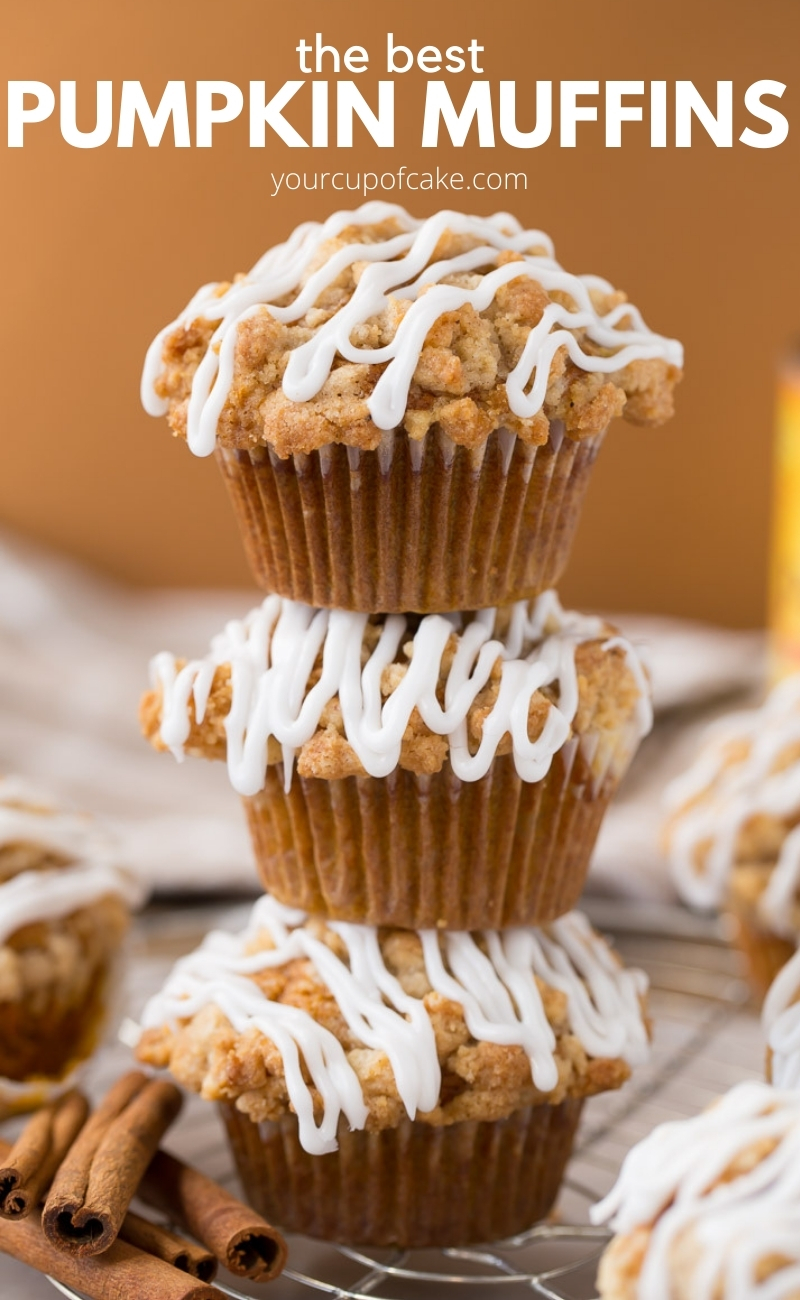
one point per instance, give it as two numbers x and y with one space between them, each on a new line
74 653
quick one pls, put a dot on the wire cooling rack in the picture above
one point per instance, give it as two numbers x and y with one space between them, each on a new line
707 1038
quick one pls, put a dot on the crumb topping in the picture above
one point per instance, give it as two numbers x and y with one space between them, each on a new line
608 708
462 367
478 1079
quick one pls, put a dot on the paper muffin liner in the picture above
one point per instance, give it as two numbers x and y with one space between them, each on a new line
45 1048
410 1186
55 1049
765 951
423 527
426 851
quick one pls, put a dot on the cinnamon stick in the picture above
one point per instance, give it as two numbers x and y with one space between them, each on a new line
98 1178
121 1273
157 1240
27 1169
177 1251
240 1239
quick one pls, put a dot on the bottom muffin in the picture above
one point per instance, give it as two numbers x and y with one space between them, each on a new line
64 909
413 1088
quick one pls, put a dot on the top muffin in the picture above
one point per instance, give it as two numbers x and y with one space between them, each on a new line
406 412
375 320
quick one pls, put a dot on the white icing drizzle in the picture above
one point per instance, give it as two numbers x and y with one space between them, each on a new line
28 817
731 793
398 268
781 1021
670 1180
497 991
47 895
273 649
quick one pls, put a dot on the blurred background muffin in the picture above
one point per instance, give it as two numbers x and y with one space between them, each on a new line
64 909
733 828
708 1208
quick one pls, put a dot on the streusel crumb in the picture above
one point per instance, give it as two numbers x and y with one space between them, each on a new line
619 1273
458 384
480 1080
607 703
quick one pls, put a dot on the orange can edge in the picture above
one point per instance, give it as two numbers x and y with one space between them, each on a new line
784 578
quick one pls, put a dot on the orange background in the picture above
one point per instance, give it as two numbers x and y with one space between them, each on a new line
103 246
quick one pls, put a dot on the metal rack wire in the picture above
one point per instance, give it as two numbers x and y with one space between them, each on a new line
491 1267
706 1039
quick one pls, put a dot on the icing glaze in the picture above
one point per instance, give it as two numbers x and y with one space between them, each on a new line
671 1181
28 817
781 1020
398 268
496 989
731 793
47 895
273 650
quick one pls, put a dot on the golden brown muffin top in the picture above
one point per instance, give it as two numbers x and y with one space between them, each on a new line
376 321
321 685
326 1019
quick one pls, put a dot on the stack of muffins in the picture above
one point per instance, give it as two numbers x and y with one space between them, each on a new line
406 413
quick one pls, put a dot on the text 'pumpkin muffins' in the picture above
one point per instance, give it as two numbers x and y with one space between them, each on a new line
406 412
64 908
709 1208
733 828
399 1087
436 771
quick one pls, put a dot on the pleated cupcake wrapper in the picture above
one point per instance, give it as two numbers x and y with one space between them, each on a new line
424 526
59 1040
426 851
765 951
411 1186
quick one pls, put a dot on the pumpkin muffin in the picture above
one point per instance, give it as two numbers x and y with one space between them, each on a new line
450 771
709 1208
393 1086
64 909
733 828
406 412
